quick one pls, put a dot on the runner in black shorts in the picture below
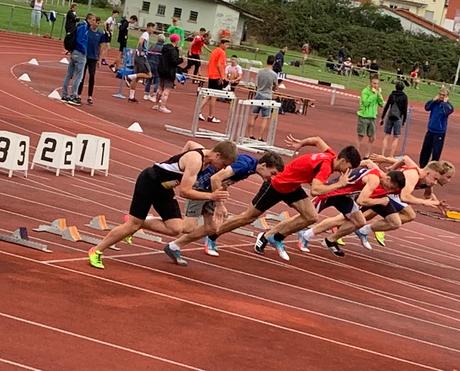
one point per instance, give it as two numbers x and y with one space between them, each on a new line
154 187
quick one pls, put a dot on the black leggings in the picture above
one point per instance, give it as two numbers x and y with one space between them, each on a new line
91 67
195 63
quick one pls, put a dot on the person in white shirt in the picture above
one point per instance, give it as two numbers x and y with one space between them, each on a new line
233 74
37 15
109 25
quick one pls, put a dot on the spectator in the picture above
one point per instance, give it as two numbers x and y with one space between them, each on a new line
266 81
95 40
71 19
38 7
194 52
440 109
347 67
374 67
77 61
122 40
233 73
216 76
426 69
341 55
305 52
396 107
153 57
108 30
174 29
330 64
371 98
169 60
414 78
279 60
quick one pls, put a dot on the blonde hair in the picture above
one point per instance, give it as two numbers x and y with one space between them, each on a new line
447 167
227 150
435 166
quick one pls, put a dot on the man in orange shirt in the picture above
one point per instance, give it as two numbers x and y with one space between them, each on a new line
216 76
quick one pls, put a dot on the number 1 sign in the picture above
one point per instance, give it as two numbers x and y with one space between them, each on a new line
93 152
14 152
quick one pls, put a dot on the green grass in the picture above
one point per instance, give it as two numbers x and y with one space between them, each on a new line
314 68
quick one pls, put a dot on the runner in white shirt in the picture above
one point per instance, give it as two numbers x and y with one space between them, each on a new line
109 24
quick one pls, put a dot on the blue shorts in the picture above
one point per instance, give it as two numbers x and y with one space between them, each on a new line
393 127
264 111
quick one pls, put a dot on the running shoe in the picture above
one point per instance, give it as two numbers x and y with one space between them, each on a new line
279 246
201 117
133 100
95 258
146 96
113 68
175 256
333 247
364 239
340 242
90 100
303 242
380 237
164 110
129 239
210 247
213 119
260 244
74 101
104 62
65 98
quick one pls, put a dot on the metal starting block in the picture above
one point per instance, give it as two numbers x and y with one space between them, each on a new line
278 217
21 237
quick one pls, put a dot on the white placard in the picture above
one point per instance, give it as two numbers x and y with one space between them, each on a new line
56 151
14 152
93 152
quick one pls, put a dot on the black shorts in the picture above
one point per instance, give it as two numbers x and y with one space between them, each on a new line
141 64
149 192
108 37
383 210
267 197
215 84
344 204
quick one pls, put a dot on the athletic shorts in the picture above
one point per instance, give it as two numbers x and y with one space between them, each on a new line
366 127
392 127
264 111
108 37
383 210
149 192
166 83
344 204
215 84
196 208
141 64
267 197
397 203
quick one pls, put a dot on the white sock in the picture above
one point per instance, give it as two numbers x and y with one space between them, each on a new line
132 76
131 93
367 229
173 246
308 234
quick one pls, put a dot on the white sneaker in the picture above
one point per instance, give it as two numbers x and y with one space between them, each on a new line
146 97
364 240
214 120
164 110
201 117
156 107
152 98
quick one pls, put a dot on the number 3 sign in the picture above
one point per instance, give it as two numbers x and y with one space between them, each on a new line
14 152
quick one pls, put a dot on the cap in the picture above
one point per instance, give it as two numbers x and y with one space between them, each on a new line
174 38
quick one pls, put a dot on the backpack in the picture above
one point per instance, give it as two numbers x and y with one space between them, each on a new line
395 113
70 40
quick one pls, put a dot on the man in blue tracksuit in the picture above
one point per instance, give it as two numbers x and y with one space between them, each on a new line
77 61
440 109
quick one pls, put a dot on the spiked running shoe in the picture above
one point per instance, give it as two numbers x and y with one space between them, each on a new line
340 242
364 239
279 246
175 256
95 258
333 247
380 237
303 242
260 244
210 247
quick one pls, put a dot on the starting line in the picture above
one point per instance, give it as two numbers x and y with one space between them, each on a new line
21 237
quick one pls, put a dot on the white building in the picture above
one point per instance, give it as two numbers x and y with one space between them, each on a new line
214 15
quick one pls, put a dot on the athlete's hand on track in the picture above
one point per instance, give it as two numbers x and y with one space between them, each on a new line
432 203
219 195
443 206
293 143
345 178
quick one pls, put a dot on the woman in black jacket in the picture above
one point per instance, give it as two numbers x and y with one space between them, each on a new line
71 19
394 117
169 60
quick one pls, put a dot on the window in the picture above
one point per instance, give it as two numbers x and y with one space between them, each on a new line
161 10
193 16
146 6
429 15
177 12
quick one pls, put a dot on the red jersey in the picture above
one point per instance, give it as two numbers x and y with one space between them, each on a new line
357 186
303 170
197 45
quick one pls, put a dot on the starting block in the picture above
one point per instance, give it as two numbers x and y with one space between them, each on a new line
278 217
21 237
261 223
59 227
244 232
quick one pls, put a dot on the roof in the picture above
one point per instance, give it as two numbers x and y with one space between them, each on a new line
238 9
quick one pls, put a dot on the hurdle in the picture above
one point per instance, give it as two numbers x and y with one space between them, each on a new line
21 237
195 131
242 115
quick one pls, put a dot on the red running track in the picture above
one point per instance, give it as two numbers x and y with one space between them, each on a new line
393 308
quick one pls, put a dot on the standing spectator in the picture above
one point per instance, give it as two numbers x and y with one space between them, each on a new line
122 40
153 57
267 81
305 52
174 29
194 52
141 65
233 73
108 30
279 60
396 107
71 19
371 98
77 61
414 78
440 109
169 60
216 76
38 7
426 69
347 67
341 55
95 40
374 67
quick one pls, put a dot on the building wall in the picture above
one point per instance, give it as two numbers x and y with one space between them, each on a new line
452 20
433 10
410 26
226 19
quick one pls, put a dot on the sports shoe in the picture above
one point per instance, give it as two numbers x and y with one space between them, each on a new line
146 96
90 100
104 62
364 240
303 242
65 99
260 244
213 119
95 258
210 247
133 100
340 242
175 256
127 81
333 247
279 246
74 101
113 68
380 237
201 117
164 109
129 239
152 98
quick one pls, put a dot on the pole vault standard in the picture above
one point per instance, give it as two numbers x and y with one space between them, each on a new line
195 131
